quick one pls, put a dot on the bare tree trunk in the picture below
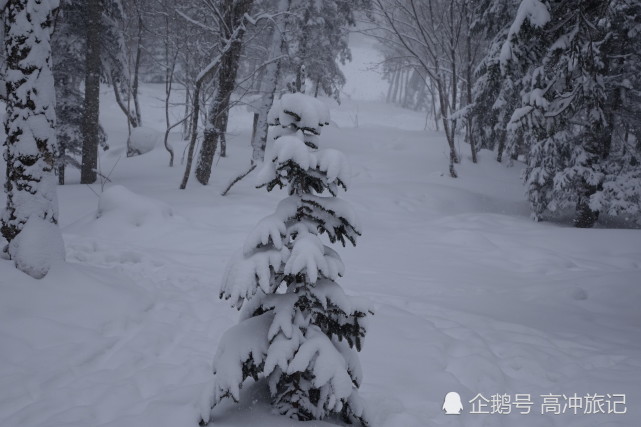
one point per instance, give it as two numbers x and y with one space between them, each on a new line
187 123
254 126
430 88
61 166
272 76
131 117
219 110
396 84
406 89
90 124
168 85
454 90
169 78
388 98
195 111
134 86
449 134
501 146
469 76
223 132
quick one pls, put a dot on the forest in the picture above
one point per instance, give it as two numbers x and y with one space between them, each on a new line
452 192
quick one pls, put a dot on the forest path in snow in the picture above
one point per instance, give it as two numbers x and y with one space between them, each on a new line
470 295
474 297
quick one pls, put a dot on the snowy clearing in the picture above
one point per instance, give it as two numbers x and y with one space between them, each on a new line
470 295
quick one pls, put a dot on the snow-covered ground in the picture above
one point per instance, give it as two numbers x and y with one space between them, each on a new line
470 295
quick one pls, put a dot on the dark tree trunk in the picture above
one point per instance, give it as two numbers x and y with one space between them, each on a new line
501 136
223 132
255 125
131 117
395 85
90 126
61 167
219 111
469 76
134 85
447 126
585 216
187 123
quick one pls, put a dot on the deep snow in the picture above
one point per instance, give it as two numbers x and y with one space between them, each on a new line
470 295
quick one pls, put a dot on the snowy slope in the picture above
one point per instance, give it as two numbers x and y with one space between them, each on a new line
470 295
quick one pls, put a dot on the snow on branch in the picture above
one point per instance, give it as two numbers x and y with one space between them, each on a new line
532 11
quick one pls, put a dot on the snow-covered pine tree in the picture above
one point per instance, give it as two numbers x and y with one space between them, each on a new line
30 219
319 36
494 92
298 328
578 99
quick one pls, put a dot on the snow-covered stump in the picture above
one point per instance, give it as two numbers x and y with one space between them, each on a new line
298 328
31 150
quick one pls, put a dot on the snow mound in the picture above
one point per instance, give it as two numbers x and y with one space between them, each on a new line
38 247
142 140
122 209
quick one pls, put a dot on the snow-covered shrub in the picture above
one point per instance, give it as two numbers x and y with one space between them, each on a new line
142 140
298 328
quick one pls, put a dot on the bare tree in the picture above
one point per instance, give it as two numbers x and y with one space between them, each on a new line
427 34
230 23
232 30
225 63
270 83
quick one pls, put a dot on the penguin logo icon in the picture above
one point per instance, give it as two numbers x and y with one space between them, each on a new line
452 404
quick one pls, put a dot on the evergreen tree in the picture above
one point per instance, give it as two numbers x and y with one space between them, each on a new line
68 46
577 103
319 41
30 219
494 93
298 328
69 54
69 111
